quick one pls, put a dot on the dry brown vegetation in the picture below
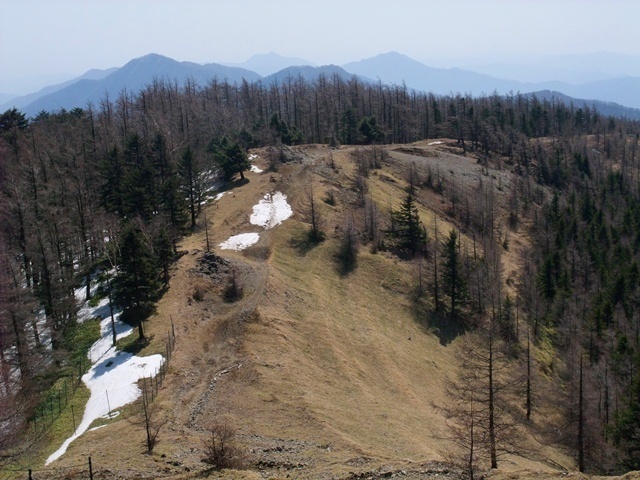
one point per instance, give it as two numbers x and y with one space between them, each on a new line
321 375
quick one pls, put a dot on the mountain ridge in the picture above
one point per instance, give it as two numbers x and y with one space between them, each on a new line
391 67
266 64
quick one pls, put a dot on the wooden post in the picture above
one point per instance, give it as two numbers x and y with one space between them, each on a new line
30 477
73 417
113 321
206 229
108 404
90 469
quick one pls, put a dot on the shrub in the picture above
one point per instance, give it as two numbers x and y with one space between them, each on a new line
198 292
220 448
234 290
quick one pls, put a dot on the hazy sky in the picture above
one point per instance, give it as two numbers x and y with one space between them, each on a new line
42 41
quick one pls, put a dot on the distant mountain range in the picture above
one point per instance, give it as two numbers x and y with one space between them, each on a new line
572 69
310 74
5 97
269 63
607 95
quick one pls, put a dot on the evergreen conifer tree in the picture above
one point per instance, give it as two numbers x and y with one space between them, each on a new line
408 228
453 283
189 171
136 285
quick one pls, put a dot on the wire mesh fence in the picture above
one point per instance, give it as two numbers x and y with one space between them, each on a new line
56 401
59 399
83 470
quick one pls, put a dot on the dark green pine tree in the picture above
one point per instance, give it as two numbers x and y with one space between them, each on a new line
237 161
408 229
11 122
139 195
112 172
370 131
453 283
626 431
171 201
231 157
349 128
190 172
136 285
163 247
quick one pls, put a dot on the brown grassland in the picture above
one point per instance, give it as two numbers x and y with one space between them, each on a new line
322 375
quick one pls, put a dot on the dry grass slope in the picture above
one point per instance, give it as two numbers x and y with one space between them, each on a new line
322 374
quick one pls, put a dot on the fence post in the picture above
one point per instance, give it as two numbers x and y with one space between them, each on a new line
30 477
66 400
90 469
108 403
73 416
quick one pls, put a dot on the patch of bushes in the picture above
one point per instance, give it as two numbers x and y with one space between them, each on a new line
220 448
234 290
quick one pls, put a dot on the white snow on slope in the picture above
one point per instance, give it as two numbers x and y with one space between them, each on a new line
435 143
240 242
272 210
105 343
253 168
113 379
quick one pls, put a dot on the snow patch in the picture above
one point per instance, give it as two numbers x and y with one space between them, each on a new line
435 143
101 348
112 379
219 196
272 210
253 168
240 242
113 384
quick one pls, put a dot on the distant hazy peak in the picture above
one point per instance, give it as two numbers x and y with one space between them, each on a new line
270 63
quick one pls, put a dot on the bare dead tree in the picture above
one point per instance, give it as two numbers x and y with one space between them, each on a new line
312 216
152 419
221 449
479 413
347 255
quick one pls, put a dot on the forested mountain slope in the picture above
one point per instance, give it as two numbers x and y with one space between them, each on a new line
501 255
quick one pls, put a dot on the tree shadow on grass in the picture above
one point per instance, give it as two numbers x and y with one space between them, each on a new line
346 261
438 323
135 344
304 242
232 184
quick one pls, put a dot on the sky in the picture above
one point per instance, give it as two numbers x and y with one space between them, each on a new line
48 41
